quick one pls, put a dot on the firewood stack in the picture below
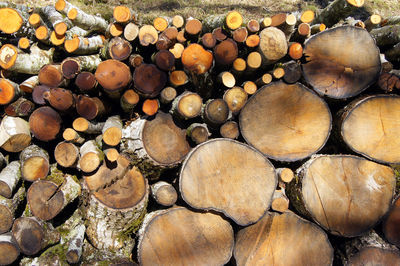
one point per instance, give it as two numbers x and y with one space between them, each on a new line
226 140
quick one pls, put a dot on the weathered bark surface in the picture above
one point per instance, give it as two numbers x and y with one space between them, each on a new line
283 239
285 122
341 71
221 182
179 236
337 10
345 194
8 208
9 178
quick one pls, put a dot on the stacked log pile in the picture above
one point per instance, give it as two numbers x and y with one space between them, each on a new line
226 140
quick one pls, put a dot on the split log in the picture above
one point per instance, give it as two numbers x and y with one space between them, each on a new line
111 155
24 43
341 73
45 123
167 95
303 32
112 130
113 76
90 107
84 45
29 84
21 107
208 238
60 99
9 91
149 80
391 224
273 45
283 239
47 198
14 134
236 98
8 207
14 60
131 32
368 127
115 206
33 235
71 135
164 193
177 50
187 105
86 82
215 112
150 107
198 133
9 250
196 59
285 122
81 124
90 157
50 75
129 100
117 49
154 144
345 194
229 130
66 154
205 186
34 163
337 10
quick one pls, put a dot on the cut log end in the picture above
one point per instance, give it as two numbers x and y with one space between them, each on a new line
391 224
229 130
45 123
8 55
122 14
8 91
12 21
9 250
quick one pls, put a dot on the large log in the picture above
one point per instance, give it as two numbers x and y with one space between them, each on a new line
282 239
341 62
228 177
345 194
285 122
178 236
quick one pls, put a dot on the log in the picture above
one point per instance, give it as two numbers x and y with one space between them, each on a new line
197 60
253 26
240 35
375 255
56 40
391 223
34 163
341 73
292 70
178 78
167 95
58 22
14 134
114 30
388 81
113 76
12 20
187 105
283 239
21 108
90 107
219 34
164 193
285 122
165 60
273 45
9 250
249 87
295 51
205 186
345 194
60 99
154 144
337 10
9 177
307 16
42 33
117 48
177 50
72 136
28 85
123 14
316 28
81 124
112 130
9 91
280 202
208 238
38 92
83 20
236 98
84 45
50 75
33 235
285 175
253 41
149 80
229 130
76 31
135 60
393 54
47 198
131 32
254 61
198 133
45 131
178 21
377 115
90 157
13 60
215 112
86 82
193 28
129 100
66 154
147 35
150 107
264 80
8 208
75 245
208 40
115 206
225 52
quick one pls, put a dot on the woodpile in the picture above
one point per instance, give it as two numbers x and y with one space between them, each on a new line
180 141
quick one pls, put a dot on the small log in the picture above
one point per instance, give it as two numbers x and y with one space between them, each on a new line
56 40
9 91
84 45
113 76
131 32
265 22
129 100
278 19
280 202
38 94
219 34
285 238
253 26
14 134
295 51
112 130
35 20
187 105
24 43
341 73
9 250
86 82
29 84
9 178
66 154
85 21
50 75
393 54
273 45
236 98
177 50
33 235
337 10
208 40
45 131
229 130
135 60
117 48
178 21
249 87
292 72
111 155
165 60
388 81
164 193
149 80
198 133
307 16
114 30
278 72
76 31
42 33
254 61
240 35
391 223
169 149
60 99
150 107
264 80
377 114
72 66
167 95
197 230
71 135
47 198
354 181
148 35
316 28
209 176
115 206
253 41
226 79
386 65
197 60
8 207
75 245
193 28
123 14
81 124
90 107
58 22
13 60
226 52
178 78
215 112
273 127
288 26
285 175
90 157
34 163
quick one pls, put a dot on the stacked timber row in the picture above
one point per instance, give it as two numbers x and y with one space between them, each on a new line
222 140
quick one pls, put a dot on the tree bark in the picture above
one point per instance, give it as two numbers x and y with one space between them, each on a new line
14 134
337 10
8 207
